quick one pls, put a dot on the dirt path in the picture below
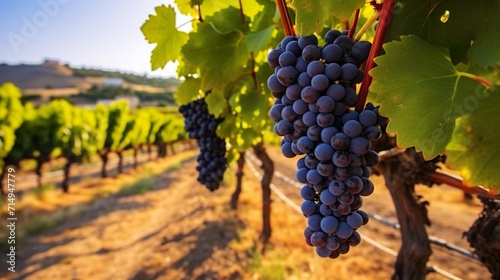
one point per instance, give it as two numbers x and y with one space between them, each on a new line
179 230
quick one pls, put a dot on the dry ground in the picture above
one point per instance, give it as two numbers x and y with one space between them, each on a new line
168 226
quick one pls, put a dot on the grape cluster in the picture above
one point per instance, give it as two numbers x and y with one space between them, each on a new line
314 87
201 125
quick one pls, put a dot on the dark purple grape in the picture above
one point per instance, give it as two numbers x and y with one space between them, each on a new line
323 152
309 94
354 184
350 115
368 187
294 48
332 53
305 145
311 161
311 53
332 243
360 50
318 239
313 177
327 197
336 92
300 107
301 65
286 150
323 252
299 126
344 230
312 107
275 112
320 82
314 68
372 158
341 159
336 187
314 221
333 71
349 72
344 209
274 85
309 118
367 118
301 175
325 104
350 97
284 127
359 146
354 240
287 75
314 133
307 40
331 35
325 210
325 120
288 114
307 193
304 79
325 168
329 224
293 92
346 198
287 59
272 57
327 133
340 141
354 220
351 128
308 207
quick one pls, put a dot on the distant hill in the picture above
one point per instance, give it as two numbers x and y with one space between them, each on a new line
53 79
43 76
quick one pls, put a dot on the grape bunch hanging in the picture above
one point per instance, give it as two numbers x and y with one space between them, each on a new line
314 87
201 125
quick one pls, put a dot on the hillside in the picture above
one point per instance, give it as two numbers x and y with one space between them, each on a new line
53 79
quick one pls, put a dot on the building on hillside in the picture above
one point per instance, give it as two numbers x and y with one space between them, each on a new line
112 82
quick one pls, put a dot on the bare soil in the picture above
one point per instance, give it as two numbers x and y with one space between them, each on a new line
179 230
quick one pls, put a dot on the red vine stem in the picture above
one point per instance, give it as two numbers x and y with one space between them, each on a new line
383 27
457 183
253 74
285 18
354 23
241 12
200 18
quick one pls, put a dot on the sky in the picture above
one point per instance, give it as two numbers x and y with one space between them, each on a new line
102 34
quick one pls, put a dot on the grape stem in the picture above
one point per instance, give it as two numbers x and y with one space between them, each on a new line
455 182
241 12
200 18
285 18
367 25
383 27
476 78
254 75
439 177
354 23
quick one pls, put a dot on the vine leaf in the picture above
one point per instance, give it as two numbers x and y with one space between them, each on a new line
313 14
187 91
422 93
486 48
220 58
160 29
343 9
424 19
475 145
216 103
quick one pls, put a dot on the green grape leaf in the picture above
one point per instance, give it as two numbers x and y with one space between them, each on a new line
475 145
343 9
486 48
313 14
160 29
216 103
187 91
220 58
258 41
310 17
207 7
422 93
226 128
440 22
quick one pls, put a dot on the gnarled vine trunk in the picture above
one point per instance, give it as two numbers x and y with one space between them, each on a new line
239 179
484 235
120 162
104 158
136 149
268 168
